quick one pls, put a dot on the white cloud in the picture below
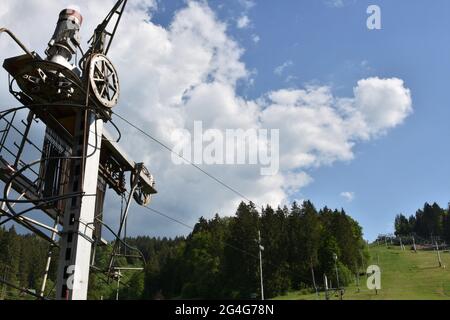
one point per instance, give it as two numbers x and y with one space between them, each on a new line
172 76
375 99
280 69
243 22
295 181
247 4
291 79
348 196
319 129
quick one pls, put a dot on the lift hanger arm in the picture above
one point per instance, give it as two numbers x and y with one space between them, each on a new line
102 39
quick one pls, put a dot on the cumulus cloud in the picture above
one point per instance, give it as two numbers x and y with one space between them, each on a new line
382 103
348 196
189 71
243 22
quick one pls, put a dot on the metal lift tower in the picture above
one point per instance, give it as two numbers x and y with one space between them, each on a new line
72 100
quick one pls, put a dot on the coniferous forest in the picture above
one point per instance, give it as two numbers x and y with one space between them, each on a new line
431 222
219 259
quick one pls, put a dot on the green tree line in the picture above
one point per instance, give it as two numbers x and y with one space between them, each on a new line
218 259
430 222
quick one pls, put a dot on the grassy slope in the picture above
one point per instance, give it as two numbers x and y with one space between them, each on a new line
405 275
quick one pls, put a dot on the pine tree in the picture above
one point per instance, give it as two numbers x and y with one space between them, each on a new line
274 241
11 257
241 254
402 226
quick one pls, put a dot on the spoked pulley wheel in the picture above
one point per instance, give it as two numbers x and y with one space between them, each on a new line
104 80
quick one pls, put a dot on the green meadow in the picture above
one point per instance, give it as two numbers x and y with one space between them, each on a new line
405 275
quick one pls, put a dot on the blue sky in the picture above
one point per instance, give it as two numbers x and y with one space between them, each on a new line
224 60
331 45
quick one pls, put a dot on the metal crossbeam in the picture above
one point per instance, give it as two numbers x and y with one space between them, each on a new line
114 150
